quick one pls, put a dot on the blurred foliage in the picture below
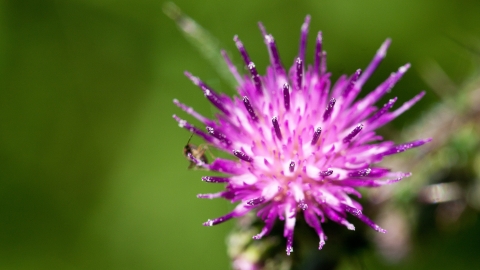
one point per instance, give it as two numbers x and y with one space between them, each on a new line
92 174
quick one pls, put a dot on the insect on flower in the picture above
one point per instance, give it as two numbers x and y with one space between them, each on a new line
197 152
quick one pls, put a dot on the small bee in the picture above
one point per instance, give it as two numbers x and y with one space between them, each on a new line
197 152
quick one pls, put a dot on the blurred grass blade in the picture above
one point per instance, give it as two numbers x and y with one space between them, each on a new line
201 39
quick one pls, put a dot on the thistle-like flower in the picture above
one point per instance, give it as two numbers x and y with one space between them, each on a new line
300 145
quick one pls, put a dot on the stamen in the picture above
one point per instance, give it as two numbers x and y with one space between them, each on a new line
351 83
242 50
256 201
381 53
274 57
378 172
338 218
276 127
222 137
222 194
269 222
215 179
256 77
329 109
291 167
263 30
316 135
326 173
286 96
303 205
184 124
407 105
403 147
373 182
299 65
250 65
303 38
289 243
211 95
313 222
318 54
358 213
242 156
360 173
383 88
352 134
322 241
192 112
249 108
383 110
219 220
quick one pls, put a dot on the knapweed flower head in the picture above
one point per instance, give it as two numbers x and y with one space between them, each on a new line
300 145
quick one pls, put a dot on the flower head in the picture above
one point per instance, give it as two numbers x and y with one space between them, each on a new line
300 145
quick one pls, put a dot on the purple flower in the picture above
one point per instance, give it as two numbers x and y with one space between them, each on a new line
300 145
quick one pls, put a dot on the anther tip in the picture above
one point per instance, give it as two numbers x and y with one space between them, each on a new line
386 43
383 49
404 68
262 28
208 223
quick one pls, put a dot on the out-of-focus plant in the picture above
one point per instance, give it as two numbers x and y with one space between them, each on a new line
447 172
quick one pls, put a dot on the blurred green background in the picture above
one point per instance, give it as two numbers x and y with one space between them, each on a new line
92 174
